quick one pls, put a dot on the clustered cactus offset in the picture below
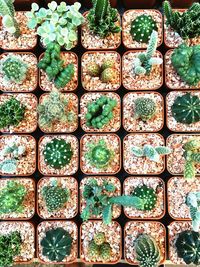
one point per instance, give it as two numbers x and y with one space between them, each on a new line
145 108
193 202
147 194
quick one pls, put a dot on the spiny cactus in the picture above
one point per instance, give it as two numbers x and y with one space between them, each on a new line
145 108
57 153
93 69
108 63
147 251
142 28
65 76
188 247
193 202
7 11
98 247
14 69
100 112
57 244
105 251
186 61
109 75
93 250
193 145
99 238
148 195
142 64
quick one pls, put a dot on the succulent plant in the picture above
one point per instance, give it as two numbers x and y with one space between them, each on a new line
57 23
14 69
57 153
7 11
147 194
186 109
109 75
57 244
15 150
12 197
100 112
93 69
193 202
93 250
147 251
142 28
65 76
108 63
188 247
186 24
8 166
102 19
145 108
10 246
11 113
186 61
99 238
143 63
105 251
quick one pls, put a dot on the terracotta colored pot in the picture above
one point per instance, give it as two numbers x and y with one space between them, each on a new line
182 3
88 3
138 4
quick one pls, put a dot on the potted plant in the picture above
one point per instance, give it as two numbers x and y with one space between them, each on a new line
183 244
181 25
152 191
181 67
184 158
58 70
18 72
145 243
17 243
143 153
17 155
182 110
17 198
57 242
100 154
57 198
58 112
57 23
138 25
14 32
101 29
100 112
101 71
100 243
143 112
58 155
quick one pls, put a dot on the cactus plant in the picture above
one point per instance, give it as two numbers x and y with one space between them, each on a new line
109 75
142 28
57 153
99 238
193 202
14 69
186 61
188 247
93 250
108 63
145 108
147 251
15 150
57 244
105 251
94 69
102 19
147 194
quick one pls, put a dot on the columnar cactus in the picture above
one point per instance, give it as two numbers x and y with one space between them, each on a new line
145 108
147 194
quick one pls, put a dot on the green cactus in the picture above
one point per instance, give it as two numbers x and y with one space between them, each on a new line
9 166
186 61
109 75
188 247
145 108
189 170
57 244
147 251
65 76
108 63
57 153
93 250
94 69
193 202
13 69
148 195
99 238
105 251
15 150
192 145
7 11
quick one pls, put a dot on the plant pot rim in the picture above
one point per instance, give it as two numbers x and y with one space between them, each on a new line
94 262
142 93
100 173
164 198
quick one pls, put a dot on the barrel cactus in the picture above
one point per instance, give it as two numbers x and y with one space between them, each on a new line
105 251
108 63
57 244
188 247
98 247
93 250
109 75
57 153
99 238
145 108
147 194
93 69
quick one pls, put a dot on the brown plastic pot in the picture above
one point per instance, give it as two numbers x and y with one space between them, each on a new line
93 262
182 3
139 4
53 217
88 3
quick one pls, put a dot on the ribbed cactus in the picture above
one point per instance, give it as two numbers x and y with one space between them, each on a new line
100 9
148 195
192 145
193 202
145 108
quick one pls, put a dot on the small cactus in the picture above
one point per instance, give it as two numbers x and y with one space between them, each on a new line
147 194
108 63
99 238
94 69
9 166
105 251
193 202
93 249
145 108
109 75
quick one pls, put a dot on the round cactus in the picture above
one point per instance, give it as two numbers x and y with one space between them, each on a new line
108 63
105 251
99 238
142 27
57 153
93 249
186 109
93 69
148 195
145 108
109 75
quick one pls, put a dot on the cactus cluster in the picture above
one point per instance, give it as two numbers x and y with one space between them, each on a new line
102 19
100 112
152 153
186 109
186 61
186 24
14 69
142 28
147 194
54 67
145 108
193 202
11 113
57 153
188 247
143 63
147 251
57 244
